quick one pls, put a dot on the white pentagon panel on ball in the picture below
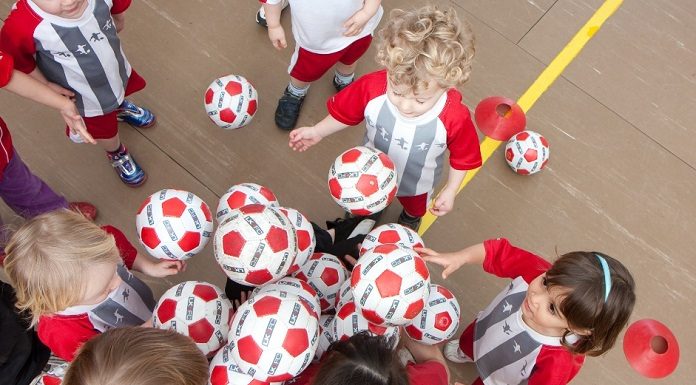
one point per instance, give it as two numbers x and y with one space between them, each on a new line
391 233
306 239
241 195
344 295
231 101
390 284
325 335
274 338
349 321
292 286
527 152
324 273
363 181
174 224
439 319
225 371
198 310
256 245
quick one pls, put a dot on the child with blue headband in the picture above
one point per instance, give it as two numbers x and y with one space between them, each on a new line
539 329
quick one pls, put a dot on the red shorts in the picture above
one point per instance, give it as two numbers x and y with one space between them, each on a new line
415 206
106 126
308 66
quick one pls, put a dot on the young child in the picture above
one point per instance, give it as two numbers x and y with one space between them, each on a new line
370 360
327 33
539 329
261 14
75 45
73 278
412 110
138 356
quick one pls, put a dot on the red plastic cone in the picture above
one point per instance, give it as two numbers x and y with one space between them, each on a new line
651 348
499 118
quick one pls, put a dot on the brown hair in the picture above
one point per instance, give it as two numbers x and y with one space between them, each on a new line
426 44
48 257
362 359
581 277
138 356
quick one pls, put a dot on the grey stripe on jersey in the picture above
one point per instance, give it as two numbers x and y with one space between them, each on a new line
508 305
513 350
53 71
139 286
113 314
423 139
102 13
384 129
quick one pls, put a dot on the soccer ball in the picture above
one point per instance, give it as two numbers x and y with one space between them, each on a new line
390 285
241 195
306 240
345 294
325 273
362 181
255 245
198 310
325 335
391 233
439 319
231 101
527 152
272 338
174 224
349 322
224 371
293 286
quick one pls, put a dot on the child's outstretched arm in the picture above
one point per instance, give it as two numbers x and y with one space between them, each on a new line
157 268
445 199
472 255
305 137
276 33
355 24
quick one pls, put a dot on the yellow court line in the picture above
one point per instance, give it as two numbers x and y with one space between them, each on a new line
540 85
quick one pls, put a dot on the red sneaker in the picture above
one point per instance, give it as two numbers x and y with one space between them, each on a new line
85 208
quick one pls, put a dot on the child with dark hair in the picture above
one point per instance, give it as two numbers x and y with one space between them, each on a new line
540 328
371 360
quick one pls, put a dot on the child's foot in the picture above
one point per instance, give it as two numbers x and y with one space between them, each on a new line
261 15
350 228
407 220
455 354
87 209
127 168
135 116
288 110
338 85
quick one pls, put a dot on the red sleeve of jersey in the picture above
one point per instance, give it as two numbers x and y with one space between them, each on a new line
507 261
6 68
65 334
348 106
17 36
125 248
555 366
120 6
427 373
462 140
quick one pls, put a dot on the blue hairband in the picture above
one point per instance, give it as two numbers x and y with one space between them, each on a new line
607 276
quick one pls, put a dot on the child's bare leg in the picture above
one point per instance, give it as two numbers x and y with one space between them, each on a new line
111 144
298 83
346 69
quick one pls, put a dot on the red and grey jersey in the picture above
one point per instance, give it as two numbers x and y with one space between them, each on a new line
6 148
415 145
83 54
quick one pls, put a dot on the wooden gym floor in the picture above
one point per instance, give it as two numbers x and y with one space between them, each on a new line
619 120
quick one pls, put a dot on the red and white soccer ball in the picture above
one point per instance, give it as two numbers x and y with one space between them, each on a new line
224 371
325 273
390 285
439 319
256 245
362 181
306 239
345 294
391 233
325 335
174 224
241 195
198 310
231 101
292 286
274 338
527 152
349 321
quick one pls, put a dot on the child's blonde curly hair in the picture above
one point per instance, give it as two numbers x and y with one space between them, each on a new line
426 44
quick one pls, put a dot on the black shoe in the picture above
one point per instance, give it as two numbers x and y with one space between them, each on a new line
411 222
338 85
288 110
261 18
350 228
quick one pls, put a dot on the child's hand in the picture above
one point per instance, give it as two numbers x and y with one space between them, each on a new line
162 268
303 138
75 123
450 261
243 297
277 36
444 202
355 24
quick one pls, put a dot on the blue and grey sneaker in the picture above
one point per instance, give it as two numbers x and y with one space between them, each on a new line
135 116
127 169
